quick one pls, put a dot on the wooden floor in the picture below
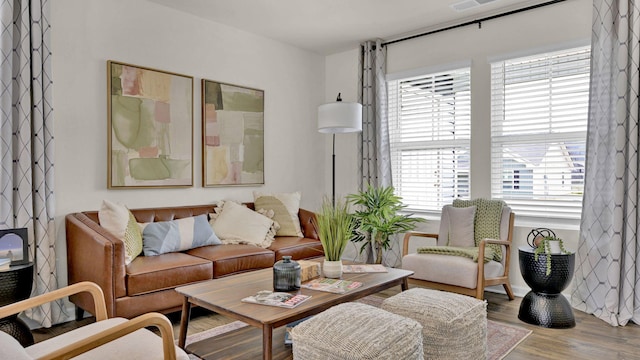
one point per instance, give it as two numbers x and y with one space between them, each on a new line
590 339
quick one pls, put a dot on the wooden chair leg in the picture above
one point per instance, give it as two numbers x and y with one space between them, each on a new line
507 288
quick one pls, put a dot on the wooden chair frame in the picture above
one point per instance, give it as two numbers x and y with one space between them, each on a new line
81 346
482 282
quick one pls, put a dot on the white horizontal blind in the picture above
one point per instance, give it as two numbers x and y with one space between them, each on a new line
539 107
429 130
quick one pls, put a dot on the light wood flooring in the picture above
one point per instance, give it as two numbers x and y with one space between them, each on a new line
590 339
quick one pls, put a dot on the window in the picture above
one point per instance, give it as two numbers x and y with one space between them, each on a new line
539 107
429 131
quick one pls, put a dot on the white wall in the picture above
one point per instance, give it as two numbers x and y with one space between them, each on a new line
542 28
87 33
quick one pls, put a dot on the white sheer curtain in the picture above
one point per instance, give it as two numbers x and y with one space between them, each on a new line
607 271
26 134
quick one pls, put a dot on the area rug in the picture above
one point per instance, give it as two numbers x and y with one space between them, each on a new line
501 338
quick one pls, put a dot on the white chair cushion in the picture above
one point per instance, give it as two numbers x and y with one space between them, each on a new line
448 269
139 345
10 348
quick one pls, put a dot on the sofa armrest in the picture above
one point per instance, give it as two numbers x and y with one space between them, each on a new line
308 230
94 254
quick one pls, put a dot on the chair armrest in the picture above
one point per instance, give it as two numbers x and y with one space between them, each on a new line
409 234
150 319
85 286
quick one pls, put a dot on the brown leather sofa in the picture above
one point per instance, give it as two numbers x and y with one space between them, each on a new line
148 283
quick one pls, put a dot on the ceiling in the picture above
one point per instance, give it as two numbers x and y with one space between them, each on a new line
331 26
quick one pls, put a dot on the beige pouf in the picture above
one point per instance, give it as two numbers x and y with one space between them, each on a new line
357 331
453 326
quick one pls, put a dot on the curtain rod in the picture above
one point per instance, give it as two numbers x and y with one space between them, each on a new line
477 21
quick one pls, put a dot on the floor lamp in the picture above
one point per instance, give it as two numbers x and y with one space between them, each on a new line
334 118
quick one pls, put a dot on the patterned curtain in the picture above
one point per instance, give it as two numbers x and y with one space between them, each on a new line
373 145
373 149
607 271
26 175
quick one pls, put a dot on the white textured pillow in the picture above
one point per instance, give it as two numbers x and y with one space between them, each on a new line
461 230
119 221
285 206
237 224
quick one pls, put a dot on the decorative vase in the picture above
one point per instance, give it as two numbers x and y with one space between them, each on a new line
286 275
332 269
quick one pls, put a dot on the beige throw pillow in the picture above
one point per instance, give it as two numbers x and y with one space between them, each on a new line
119 221
237 224
285 207
461 230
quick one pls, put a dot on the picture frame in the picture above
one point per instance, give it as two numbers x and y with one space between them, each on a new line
14 244
232 135
149 127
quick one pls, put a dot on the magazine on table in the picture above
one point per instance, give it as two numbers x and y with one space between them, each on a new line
281 299
336 286
364 268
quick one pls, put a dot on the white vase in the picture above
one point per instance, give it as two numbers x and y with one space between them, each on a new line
332 269
554 247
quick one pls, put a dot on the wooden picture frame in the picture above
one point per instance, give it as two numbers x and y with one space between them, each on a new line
232 135
150 127
14 244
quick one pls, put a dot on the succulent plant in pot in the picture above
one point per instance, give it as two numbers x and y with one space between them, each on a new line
545 242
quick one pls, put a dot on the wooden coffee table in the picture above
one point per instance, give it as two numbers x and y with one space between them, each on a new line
223 296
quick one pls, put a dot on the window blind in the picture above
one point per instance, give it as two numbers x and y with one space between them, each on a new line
429 130
539 107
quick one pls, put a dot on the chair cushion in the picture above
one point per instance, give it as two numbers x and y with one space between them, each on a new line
448 269
10 348
141 344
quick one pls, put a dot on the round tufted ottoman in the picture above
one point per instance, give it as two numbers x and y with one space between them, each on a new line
453 326
357 331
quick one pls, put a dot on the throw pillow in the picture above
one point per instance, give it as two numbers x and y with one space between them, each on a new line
177 235
237 224
119 221
461 229
285 207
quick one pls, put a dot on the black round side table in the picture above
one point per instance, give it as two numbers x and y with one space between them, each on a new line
15 285
544 305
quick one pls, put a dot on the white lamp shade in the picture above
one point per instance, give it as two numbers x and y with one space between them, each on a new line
339 117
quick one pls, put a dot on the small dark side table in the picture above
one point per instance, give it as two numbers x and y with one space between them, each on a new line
544 305
15 285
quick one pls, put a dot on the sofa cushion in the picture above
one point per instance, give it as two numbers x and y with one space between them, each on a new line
119 221
153 273
177 235
296 247
233 259
285 206
237 224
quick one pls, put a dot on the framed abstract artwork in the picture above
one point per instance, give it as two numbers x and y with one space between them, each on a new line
150 128
232 135
14 245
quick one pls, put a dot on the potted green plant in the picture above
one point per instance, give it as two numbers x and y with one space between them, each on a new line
334 225
548 245
378 217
